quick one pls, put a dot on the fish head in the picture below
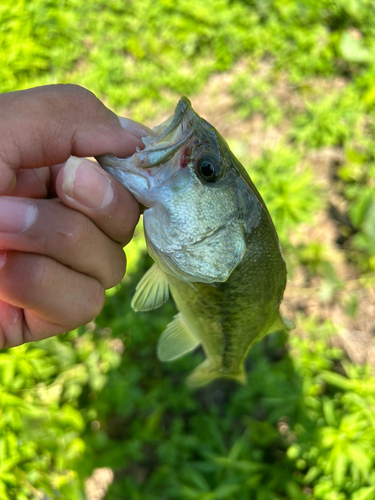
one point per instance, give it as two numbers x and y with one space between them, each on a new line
201 204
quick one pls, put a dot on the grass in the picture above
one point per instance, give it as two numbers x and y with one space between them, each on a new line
300 116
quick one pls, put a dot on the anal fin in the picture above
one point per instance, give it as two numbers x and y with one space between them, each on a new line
176 341
152 291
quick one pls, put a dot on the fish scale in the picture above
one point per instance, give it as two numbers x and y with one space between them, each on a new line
213 242
230 316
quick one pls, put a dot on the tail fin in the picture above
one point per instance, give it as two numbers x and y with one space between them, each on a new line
204 374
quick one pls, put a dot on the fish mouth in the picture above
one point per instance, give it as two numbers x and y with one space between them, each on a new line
156 162
172 134
172 123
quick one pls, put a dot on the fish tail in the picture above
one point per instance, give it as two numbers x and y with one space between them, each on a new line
204 374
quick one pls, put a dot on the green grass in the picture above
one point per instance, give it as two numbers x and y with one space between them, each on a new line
303 426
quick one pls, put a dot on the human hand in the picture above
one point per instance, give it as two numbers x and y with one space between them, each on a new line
58 255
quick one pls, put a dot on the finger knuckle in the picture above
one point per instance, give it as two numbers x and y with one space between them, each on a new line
74 91
79 98
44 271
75 237
96 300
117 271
11 332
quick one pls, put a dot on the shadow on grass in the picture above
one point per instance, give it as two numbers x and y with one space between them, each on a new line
165 440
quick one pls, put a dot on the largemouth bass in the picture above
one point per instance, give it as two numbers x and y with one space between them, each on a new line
213 242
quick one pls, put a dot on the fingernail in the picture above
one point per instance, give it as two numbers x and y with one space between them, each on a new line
16 215
135 128
85 182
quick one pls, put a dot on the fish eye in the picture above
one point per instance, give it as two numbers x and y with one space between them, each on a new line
209 168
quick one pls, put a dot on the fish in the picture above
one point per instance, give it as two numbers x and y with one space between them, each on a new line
213 242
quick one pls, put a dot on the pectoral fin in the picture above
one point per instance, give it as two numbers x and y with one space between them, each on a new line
176 340
152 291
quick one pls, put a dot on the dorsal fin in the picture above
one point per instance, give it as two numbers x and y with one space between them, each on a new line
152 291
176 340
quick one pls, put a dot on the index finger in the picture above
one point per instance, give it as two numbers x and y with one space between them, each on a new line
45 125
